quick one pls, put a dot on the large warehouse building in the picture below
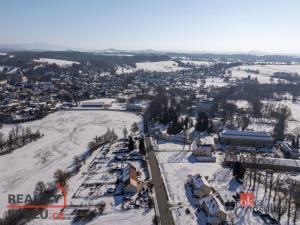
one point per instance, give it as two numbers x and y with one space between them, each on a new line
246 138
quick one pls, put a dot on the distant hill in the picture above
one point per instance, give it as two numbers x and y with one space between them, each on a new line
34 46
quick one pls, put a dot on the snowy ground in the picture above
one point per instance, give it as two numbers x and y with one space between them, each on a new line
215 82
161 66
265 71
107 101
59 62
96 171
137 217
241 104
196 63
295 109
176 166
67 134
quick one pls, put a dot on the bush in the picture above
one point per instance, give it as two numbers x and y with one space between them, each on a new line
101 207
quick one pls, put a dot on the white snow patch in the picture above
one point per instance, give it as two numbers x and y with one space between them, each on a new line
59 62
161 66
265 71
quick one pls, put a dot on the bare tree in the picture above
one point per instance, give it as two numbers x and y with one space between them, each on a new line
270 189
134 127
291 192
281 207
2 142
125 132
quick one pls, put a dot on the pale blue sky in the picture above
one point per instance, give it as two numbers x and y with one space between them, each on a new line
194 25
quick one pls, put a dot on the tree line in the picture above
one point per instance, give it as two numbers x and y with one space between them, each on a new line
17 137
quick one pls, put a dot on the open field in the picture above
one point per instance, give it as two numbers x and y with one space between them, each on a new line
66 134
161 66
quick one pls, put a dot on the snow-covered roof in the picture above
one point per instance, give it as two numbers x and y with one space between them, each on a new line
199 181
213 204
246 135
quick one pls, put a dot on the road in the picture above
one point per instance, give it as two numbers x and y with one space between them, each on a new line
166 217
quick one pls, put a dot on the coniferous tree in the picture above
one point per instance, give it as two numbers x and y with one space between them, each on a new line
142 147
131 144
238 171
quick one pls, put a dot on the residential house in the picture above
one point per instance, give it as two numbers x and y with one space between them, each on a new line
200 185
214 210
130 180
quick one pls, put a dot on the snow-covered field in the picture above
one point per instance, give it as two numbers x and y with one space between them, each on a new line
161 66
265 71
103 100
137 217
295 108
196 63
59 62
67 134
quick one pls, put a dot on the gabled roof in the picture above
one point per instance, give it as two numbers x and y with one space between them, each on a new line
213 204
199 181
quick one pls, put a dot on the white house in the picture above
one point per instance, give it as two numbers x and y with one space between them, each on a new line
201 187
214 210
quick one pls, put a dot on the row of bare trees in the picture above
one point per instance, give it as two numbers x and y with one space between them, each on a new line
17 137
109 136
281 195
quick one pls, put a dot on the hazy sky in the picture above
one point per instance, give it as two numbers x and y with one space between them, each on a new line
195 25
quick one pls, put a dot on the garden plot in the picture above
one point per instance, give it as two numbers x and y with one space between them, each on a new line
98 183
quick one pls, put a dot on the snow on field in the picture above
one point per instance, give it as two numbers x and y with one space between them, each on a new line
103 100
171 146
196 63
59 62
241 104
295 108
161 66
90 174
3 53
214 82
293 122
265 71
67 134
175 175
130 217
